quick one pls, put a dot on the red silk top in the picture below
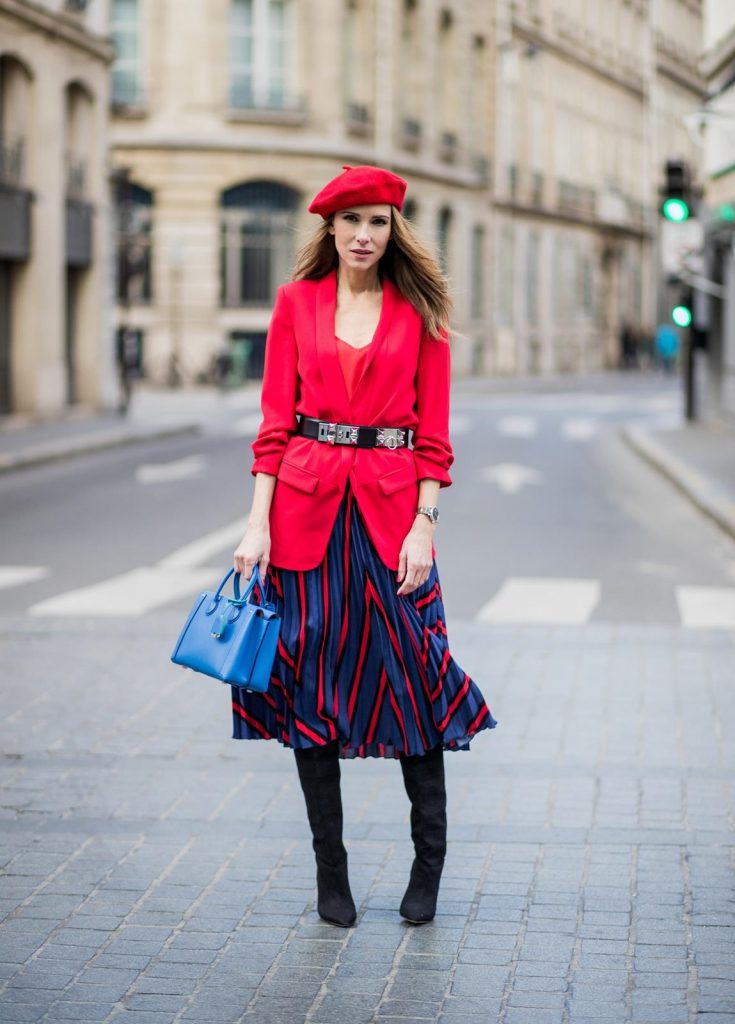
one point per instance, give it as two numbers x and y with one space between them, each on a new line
351 359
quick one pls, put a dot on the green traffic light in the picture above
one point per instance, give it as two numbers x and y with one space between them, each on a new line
681 315
676 210
727 211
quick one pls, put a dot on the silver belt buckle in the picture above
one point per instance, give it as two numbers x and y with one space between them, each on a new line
327 432
346 434
390 437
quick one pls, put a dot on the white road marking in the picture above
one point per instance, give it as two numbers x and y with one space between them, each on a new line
706 607
510 476
163 472
459 423
199 550
247 426
131 594
580 428
517 426
548 600
15 575
138 591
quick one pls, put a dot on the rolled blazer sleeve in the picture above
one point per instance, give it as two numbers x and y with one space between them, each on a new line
279 390
431 446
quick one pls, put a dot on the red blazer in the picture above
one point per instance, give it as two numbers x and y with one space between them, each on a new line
404 383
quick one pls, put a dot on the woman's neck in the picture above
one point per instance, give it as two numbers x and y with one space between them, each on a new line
358 282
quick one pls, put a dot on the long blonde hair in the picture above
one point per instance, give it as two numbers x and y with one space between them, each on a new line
407 262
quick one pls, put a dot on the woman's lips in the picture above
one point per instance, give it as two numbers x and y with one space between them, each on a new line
361 252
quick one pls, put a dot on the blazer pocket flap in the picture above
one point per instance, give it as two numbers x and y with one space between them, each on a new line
297 476
403 476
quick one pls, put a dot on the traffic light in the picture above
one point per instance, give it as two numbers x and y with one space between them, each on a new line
676 194
681 315
683 312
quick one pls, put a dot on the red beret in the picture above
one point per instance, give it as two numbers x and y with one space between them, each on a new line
359 186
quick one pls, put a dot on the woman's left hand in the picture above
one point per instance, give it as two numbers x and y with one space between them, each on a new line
415 560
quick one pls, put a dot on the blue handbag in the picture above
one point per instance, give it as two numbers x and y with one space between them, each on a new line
232 639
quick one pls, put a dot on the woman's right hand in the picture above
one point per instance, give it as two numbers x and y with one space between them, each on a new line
255 547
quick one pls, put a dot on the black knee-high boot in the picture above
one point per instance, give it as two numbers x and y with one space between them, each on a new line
423 777
319 774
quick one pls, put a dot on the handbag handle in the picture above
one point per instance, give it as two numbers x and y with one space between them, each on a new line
255 580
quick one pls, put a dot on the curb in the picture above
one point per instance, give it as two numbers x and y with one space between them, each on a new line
55 451
687 480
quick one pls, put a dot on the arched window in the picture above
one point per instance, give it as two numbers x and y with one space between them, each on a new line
15 116
134 211
256 241
410 210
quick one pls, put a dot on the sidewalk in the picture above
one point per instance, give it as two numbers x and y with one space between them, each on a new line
154 871
154 413
699 459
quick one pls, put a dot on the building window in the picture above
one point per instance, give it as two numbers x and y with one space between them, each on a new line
533 252
359 57
447 86
410 210
506 276
410 77
256 241
444 227
260 54
134 244
125 31
477 269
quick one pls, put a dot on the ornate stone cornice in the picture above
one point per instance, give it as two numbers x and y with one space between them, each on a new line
59 26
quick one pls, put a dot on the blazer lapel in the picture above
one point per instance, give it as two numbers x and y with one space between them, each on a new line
326 346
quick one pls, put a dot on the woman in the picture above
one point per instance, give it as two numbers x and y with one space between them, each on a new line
342 524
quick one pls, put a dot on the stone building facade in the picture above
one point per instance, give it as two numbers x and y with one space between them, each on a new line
717 127
228 116
591 96
533 135
54 206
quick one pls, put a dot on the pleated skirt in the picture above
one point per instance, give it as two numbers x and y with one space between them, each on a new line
358 664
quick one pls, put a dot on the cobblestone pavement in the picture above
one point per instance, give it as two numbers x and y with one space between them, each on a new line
154 870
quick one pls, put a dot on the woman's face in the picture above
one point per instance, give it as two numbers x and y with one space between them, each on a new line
361 235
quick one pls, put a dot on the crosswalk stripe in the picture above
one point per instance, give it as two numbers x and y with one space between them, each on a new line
163 472
580 428
706 607
130 594
517 426
199 550
247 426
15 575
542 600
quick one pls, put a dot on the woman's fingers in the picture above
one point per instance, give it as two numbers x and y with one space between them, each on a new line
416 575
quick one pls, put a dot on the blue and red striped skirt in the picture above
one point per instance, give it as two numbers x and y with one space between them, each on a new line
358 664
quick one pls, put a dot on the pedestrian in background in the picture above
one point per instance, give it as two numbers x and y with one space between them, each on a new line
667 346
342 524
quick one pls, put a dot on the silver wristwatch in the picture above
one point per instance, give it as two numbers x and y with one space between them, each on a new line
429 510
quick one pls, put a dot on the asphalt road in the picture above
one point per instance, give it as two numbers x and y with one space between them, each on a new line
151 866
550 519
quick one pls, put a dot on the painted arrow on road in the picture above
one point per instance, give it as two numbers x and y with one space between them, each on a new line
510 476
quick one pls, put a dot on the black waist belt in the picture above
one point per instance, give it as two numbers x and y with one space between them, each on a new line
346 433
